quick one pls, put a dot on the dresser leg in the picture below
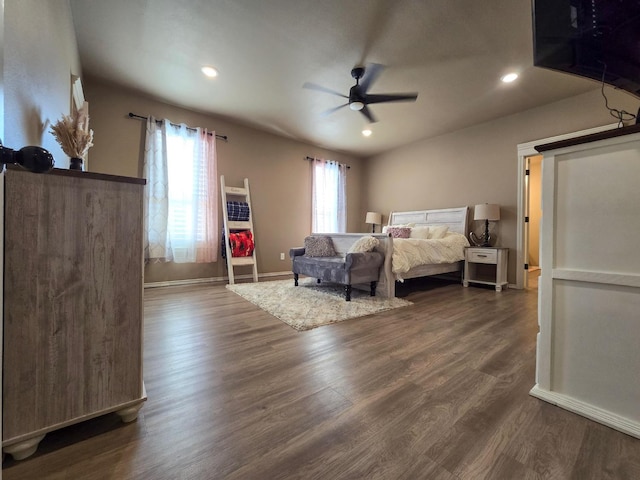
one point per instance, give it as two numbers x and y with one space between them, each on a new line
23 449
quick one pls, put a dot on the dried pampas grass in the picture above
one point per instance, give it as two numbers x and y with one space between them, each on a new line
73 134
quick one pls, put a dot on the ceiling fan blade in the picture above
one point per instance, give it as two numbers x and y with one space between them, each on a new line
367 113
332 110
319 88
371 73
394 97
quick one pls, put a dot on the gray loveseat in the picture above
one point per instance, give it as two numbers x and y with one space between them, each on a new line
344 268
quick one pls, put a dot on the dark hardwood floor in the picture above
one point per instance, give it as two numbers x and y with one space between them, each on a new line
437 390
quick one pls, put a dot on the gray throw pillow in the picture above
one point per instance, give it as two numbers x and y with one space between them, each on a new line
318 247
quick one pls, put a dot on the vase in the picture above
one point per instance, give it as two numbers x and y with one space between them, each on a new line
32 158
75 163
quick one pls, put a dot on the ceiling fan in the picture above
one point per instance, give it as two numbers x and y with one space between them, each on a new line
358 97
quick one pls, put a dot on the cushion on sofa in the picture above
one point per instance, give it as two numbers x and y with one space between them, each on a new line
318 247
364 244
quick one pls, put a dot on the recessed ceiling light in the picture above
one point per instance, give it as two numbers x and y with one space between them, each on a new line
209 71
509 77
367 132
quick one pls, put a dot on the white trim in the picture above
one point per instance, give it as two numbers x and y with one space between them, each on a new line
587 410
197 281
2 88
625 280
77 93
526 150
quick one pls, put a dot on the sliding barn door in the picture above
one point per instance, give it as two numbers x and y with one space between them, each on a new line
588 355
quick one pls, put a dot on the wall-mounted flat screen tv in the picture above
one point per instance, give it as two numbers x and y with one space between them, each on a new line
590 38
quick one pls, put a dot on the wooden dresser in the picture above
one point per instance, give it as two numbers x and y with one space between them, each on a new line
73 312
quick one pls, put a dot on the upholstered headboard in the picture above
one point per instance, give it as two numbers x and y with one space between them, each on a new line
455 218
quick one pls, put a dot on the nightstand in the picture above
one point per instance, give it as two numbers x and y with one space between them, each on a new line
486 265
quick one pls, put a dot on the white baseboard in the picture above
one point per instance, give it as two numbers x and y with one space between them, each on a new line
196 281
589 411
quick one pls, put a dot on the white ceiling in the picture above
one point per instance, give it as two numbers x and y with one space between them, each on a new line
452 52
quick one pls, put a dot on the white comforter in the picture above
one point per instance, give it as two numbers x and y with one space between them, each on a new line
411 252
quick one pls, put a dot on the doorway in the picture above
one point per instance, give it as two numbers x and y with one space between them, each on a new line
526 151
533 218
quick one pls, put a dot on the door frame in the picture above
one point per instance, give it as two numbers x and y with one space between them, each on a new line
1 208
526 150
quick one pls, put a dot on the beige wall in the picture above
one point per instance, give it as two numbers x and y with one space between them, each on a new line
40 55
279 177
479 164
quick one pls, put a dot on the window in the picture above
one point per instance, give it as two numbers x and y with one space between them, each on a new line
181 195
329 199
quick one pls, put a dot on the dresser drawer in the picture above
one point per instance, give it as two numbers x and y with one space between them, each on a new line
481 255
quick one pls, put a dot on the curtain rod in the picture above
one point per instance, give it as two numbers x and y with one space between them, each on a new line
133 115
311 159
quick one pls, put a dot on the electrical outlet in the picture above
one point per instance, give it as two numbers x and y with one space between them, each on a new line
282 256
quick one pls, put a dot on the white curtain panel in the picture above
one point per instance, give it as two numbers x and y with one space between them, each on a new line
342 198
329 197
181 213
157 245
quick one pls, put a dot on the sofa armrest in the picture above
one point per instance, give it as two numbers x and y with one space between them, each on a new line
363 260
296 252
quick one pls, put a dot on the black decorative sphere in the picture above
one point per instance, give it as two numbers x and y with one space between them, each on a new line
34 159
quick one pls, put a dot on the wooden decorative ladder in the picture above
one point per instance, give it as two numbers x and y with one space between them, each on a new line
240 194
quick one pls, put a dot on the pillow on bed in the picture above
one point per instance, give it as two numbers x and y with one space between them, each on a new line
364 244
419 232
386 228
318 247
436 233
399 232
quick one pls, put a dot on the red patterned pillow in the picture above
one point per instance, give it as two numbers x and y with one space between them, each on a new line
399 232
241 243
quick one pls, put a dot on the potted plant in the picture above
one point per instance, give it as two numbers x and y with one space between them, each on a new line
74 136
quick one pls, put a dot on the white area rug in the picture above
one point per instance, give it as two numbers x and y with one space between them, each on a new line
311 305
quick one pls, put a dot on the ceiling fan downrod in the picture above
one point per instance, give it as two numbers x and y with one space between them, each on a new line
356 102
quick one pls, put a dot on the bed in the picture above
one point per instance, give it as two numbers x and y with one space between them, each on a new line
453 220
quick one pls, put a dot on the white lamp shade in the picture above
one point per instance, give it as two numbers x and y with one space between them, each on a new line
374 218
486 211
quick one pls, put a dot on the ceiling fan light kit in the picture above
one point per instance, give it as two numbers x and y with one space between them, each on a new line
359 99
209 71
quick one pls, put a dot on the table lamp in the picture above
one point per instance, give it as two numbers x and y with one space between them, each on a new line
373 218
487 212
